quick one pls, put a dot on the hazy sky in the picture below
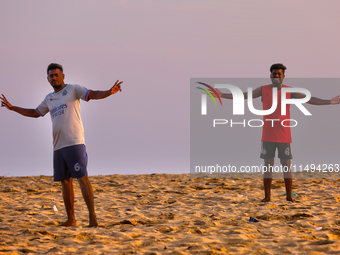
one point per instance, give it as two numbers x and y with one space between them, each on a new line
155 47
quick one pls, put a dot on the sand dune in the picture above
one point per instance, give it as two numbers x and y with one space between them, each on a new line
171 214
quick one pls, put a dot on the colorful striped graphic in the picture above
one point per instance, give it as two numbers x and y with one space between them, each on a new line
212 89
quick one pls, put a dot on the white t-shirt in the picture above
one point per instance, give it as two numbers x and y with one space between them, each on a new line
64 108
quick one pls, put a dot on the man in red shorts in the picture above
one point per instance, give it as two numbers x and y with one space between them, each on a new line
69 157
275 135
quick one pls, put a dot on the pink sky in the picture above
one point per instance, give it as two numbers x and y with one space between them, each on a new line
155 47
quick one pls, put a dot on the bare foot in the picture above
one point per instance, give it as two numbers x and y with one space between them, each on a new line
266 199
92 226
93 223
290 199
69 223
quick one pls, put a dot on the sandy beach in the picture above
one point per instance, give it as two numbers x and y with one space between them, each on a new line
171 214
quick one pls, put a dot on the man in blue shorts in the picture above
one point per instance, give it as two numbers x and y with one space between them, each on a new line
70 157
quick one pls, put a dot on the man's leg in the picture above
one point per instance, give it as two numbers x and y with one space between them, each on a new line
288 177
68 196
267 179
86 190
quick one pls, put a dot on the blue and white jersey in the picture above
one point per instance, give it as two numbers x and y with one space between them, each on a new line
64 108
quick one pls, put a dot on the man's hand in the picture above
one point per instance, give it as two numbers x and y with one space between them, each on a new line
5 103
335 100
115 88
101 94
23 111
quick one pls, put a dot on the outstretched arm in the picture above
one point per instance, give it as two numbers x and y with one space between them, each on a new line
101 94
23 111
318 101
256 93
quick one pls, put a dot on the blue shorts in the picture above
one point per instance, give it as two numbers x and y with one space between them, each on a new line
70 162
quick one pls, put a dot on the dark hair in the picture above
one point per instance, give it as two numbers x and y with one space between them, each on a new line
53 66
278 66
